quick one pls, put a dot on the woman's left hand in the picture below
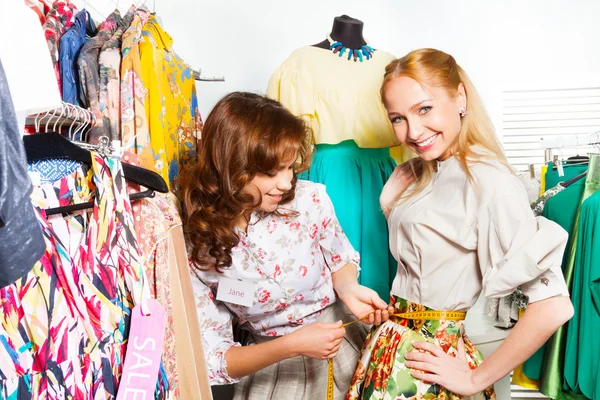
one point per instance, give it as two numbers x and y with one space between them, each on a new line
430 363
361 301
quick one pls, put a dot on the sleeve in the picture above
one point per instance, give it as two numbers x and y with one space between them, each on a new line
295 92
517 249
337 249
216 330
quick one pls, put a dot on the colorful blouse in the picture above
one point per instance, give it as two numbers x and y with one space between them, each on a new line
135 136
89 72
171 103
58 19
110 78
290 259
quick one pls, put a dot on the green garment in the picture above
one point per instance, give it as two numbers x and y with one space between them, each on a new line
562 209
547 364
571 171
582 343
354 178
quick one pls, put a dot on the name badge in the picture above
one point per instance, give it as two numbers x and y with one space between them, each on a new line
236 291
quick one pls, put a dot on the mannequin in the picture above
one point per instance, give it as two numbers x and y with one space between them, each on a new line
338 97
347 30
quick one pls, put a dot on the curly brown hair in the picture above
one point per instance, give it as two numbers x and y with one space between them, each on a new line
244 135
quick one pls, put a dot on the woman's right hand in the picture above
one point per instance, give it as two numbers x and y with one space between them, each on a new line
397 183
318 340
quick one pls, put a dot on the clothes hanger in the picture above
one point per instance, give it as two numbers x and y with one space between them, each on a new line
52 146
571 181
83 206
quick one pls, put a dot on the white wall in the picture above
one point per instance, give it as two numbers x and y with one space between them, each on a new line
502 44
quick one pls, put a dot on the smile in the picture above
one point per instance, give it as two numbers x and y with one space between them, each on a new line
427 141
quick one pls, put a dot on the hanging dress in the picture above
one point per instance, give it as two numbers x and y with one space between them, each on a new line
582 354
64 326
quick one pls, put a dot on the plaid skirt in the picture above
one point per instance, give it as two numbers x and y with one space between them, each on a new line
381 373
305 378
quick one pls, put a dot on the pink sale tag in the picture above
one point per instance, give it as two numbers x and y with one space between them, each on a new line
144 348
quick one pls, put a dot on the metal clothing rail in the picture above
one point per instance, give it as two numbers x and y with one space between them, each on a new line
568 142
198 76
590 139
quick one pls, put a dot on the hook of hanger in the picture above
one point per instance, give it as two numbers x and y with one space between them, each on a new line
60 117
86 126
74 123
70 109
50 119
91 124
71 126
38 120
560 145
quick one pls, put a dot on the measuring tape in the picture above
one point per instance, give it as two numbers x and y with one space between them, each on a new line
429 315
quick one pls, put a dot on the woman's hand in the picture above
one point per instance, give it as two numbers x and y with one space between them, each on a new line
318 340
397 183
362 301
431 364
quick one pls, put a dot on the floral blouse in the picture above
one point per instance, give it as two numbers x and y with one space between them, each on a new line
291 260
110 78
59 18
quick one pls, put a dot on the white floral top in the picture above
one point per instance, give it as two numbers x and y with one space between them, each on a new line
291 260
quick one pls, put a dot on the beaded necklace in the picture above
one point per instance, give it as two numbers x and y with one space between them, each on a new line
365 51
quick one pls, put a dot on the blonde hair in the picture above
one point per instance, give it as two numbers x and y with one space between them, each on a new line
431 67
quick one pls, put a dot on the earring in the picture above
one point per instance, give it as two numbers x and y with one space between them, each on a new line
463 112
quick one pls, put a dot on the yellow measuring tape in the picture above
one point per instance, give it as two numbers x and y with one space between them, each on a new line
429 315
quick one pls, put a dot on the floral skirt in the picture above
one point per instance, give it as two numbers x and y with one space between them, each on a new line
381 373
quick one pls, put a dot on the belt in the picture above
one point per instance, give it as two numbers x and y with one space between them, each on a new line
428 315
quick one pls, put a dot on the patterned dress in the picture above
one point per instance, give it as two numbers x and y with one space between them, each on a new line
64 326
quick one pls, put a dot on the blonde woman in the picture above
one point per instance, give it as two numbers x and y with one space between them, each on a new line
460 224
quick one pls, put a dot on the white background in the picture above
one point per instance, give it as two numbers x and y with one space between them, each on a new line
512 44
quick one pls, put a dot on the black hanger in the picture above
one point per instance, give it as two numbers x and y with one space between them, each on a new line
572 163
571 181
90 204
578 160
52 146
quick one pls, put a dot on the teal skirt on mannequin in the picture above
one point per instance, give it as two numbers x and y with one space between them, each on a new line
354 178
